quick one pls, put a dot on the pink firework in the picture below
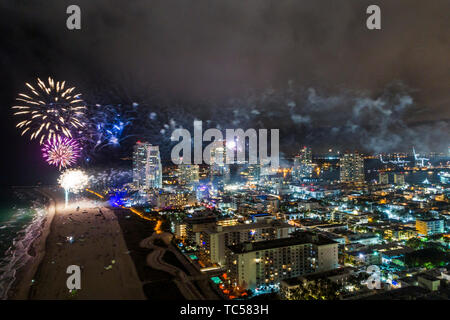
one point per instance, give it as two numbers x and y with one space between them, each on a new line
61 152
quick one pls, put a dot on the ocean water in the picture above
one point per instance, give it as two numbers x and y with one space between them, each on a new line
22 213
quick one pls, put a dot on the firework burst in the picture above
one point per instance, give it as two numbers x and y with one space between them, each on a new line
61 152
73 180
49 111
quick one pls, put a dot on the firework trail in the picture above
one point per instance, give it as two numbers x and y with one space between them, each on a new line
49 110
61 152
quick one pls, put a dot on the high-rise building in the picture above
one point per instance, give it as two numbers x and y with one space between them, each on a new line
147 168
196 224
188 174
352 168
254 264
218 157
175 198
265 171
216 238
383 178
429 227
303 166
399 179
251 173
219 170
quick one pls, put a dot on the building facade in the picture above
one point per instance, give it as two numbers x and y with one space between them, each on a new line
352 168
215 240
147 168
429 226
303 165
399 179
188 174
383 178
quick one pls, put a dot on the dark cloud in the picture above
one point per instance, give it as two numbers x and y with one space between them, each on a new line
346 119
198 48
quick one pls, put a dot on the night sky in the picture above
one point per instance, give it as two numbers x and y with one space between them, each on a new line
310 68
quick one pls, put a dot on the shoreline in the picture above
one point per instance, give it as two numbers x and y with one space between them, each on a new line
21 286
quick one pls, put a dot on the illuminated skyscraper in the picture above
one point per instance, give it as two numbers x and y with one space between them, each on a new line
218 157
352 168
383 178
303 166
147 169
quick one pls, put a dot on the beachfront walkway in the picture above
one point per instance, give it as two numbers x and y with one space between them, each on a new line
182 280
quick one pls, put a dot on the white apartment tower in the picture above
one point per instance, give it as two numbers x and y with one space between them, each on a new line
147 168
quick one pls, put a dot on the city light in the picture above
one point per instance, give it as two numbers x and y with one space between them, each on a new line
226 151
73 180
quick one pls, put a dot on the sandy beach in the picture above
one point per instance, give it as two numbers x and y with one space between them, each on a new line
97 246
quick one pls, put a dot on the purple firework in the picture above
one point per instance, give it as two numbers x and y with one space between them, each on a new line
61 152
